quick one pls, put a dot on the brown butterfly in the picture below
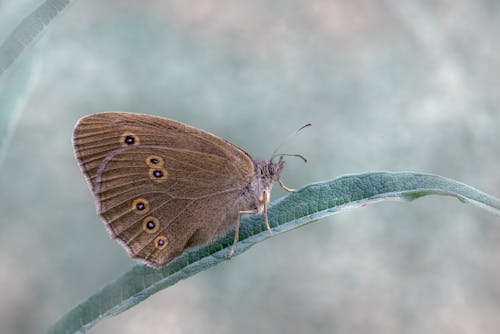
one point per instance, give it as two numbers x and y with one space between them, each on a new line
163 186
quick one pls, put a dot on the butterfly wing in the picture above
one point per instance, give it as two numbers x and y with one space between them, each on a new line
161 185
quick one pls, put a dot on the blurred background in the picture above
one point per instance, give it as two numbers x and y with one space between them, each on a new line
388 85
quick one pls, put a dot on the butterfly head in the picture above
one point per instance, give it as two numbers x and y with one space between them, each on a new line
269 170
274 169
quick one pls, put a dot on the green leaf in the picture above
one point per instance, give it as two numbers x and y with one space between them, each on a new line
310 203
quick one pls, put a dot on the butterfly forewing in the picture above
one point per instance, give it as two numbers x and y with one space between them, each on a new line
161 186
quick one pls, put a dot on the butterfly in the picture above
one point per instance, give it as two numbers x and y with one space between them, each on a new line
162 186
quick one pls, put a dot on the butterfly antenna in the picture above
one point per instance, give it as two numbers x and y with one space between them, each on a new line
286 139
281 155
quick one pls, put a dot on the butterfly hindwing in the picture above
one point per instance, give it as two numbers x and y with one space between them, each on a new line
169 201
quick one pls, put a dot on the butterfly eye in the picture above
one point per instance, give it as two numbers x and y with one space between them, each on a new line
128 138
271 168
154 161
151 224
140 206
161 242
158 175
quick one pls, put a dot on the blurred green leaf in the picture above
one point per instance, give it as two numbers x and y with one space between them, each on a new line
310 203
15 86
28 30
15 89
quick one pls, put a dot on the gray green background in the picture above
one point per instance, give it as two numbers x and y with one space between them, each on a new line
388 85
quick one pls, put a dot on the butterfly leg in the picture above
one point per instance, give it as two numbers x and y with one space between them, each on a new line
282 185
237 230
265 214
